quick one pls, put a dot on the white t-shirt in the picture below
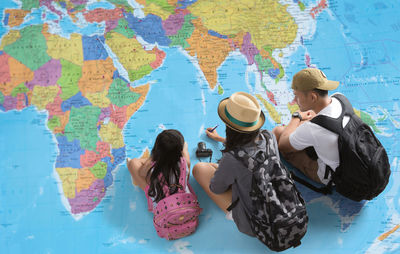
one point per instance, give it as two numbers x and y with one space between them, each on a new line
324 141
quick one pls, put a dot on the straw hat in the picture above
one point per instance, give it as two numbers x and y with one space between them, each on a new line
312 78
241 112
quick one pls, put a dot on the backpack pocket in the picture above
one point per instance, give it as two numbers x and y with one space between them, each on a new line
366 144
278 216
282 234
173 232
379 170
369 175
285 198
176 216
289 231
283 220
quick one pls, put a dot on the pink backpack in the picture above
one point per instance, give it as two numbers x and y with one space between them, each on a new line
176 215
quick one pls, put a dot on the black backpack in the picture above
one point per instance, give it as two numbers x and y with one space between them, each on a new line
278 215
364 168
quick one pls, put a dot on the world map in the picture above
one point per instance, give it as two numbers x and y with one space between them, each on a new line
85 84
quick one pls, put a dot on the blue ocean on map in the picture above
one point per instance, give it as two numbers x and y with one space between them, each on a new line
104 5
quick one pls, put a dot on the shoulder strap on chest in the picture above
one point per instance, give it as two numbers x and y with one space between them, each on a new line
271 143
335 124
260 155
183 181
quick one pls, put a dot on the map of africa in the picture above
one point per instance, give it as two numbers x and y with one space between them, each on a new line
84 84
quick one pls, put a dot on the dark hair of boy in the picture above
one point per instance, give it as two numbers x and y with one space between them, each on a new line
320 92
166 155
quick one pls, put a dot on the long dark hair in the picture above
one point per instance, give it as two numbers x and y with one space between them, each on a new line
166 155
236 139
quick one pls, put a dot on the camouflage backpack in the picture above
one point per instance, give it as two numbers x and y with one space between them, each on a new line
278 215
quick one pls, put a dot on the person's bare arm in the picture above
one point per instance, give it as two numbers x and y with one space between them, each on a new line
186 155
145 167
284 144
214 135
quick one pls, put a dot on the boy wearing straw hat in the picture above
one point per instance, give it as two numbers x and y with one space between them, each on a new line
223 182
310 87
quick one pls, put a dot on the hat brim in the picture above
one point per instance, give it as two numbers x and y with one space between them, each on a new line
329 85
224 118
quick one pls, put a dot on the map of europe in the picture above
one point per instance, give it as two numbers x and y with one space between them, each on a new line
85 84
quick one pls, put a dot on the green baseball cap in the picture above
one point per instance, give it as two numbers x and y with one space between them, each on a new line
312 78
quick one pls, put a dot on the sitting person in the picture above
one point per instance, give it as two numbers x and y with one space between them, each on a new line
311 88
329 143
223 182
164 179
250 183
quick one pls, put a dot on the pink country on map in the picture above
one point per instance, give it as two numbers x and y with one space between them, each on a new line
174 22
47 75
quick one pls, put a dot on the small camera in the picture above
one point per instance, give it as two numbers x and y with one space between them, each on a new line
203 151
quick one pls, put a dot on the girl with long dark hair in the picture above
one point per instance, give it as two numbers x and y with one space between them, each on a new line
160 172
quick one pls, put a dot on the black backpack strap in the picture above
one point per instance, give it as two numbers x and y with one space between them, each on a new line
311 153
232 205
335 124
347 107
324 190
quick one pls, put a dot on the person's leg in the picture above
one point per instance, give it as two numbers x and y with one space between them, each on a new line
277 131
300 160
203 172
134 166
305 164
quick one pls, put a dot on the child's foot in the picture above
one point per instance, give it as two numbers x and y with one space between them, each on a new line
127 164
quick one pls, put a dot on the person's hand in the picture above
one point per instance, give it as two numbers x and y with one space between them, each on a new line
214 135
307 115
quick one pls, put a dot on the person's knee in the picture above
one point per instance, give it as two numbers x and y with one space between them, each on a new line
277 131
198 169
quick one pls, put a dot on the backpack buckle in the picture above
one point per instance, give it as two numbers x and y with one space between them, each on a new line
174 187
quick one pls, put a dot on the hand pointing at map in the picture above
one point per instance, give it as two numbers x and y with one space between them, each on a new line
213 134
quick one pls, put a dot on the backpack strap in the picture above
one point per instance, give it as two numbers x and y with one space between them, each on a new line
268 138
182 176
324 190
186 178
183 179
149 201
258 159
181 184
146 191
232 205
335 124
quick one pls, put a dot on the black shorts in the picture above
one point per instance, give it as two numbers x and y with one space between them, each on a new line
310 151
